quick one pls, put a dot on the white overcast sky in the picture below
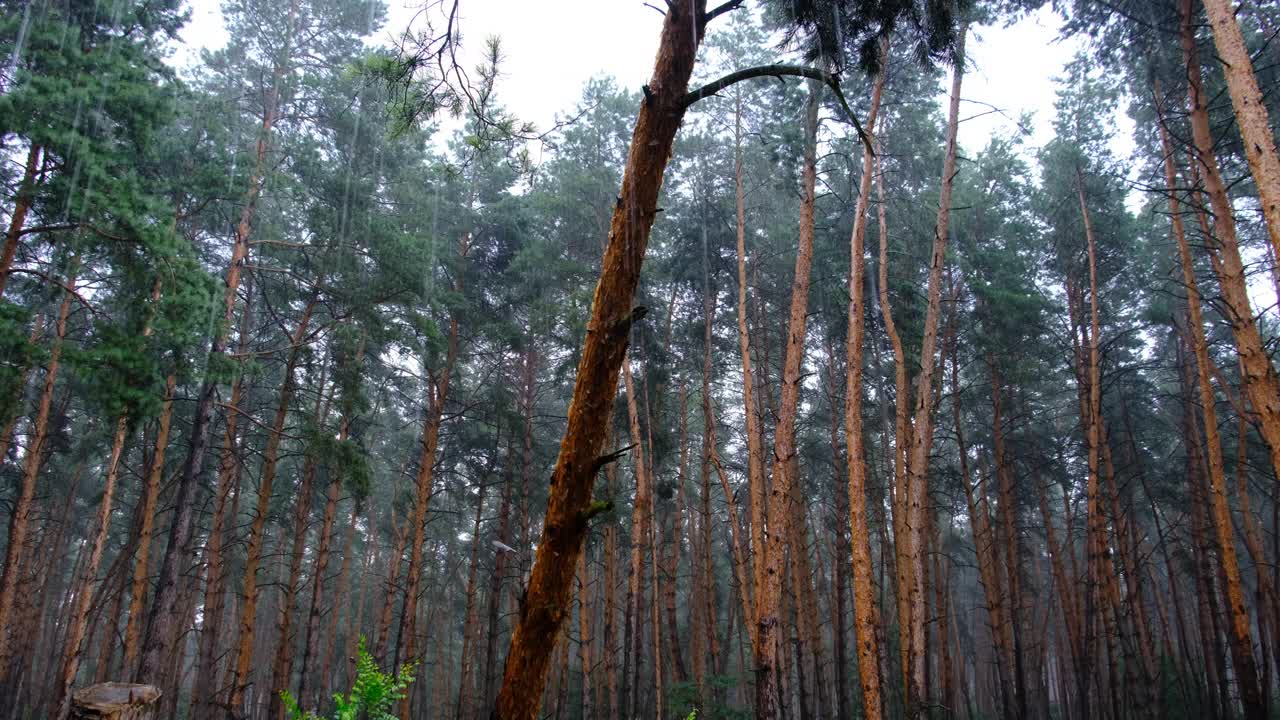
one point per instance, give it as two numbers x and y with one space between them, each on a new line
552 47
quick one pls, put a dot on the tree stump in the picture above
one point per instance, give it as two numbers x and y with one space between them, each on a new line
115 701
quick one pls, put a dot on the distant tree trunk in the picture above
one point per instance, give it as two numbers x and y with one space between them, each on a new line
355 635
282 667
424 487
204 694
496 581
18 219
313 634
942 591
394 560
584 638
984 542
768 665
863 583
641 516
675 539
20 520
84 591
1251 114
1212 650
470 622
118 577
611 610
240 678
703 603
841 553
165 616
1007 539
342 610
922 436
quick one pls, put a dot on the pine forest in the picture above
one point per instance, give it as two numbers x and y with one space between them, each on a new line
796 381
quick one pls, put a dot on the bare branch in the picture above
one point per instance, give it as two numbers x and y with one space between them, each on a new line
729 6
780 71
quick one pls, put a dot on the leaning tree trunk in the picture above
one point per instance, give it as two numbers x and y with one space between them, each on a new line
1251 114
1240 634
1260 380
551 581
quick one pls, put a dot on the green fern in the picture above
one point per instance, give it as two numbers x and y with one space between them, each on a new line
372 696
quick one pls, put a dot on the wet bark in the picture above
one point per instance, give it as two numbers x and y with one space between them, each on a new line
20 519
166 615
240 678
18 219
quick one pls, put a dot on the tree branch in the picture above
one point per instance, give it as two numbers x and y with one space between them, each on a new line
779 71
729 6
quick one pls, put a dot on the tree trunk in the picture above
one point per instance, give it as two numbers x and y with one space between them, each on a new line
17 220
705 603
675 539
83 593
584 638
755 449
1260 380
240 679
922 435
496 582
641 516
208 671
424 487
394 561
1240 634
550 583
1007 538
863 583
282 667
20 520
342 610
1251 114
768 665
470 622
162 624
984 543
150 498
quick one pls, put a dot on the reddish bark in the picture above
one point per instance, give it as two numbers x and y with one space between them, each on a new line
20 519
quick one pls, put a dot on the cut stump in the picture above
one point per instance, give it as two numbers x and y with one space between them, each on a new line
115 701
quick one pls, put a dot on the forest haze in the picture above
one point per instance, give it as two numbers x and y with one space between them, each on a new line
331 387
